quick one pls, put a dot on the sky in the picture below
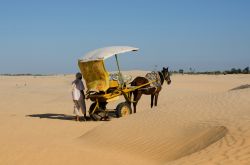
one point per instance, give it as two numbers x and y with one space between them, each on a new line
48 37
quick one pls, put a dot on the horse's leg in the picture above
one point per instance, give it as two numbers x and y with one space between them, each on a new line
152 100
156 98
130 98
137 96
135 93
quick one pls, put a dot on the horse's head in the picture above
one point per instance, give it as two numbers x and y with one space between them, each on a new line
166 75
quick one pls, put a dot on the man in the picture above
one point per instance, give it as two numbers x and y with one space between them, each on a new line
78 97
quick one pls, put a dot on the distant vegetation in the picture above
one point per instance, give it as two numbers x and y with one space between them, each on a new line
180 71
30 74
22 74
232 71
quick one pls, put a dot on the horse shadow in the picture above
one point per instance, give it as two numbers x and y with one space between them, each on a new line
56 116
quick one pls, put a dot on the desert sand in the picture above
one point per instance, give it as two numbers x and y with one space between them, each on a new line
198 120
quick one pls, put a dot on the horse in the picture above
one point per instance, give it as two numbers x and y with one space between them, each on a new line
154 89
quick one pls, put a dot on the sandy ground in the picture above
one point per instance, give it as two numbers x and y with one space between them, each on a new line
198 120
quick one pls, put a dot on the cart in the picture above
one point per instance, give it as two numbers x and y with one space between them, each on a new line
103 87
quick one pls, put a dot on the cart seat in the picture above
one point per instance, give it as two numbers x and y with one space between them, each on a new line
96 76
113 84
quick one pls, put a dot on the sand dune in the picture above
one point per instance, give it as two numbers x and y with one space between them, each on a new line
169 144
198 120
165 135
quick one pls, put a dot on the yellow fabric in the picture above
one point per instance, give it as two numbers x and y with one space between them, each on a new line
95 75
113 84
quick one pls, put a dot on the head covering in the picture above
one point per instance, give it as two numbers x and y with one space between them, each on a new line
78 75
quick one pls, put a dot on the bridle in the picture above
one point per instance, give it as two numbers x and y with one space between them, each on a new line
166 76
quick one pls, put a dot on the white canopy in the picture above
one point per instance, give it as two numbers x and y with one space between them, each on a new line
104 53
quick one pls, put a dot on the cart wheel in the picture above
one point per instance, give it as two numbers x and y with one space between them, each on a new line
99 113
123 109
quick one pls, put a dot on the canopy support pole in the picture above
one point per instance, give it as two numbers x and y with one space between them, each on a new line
120 74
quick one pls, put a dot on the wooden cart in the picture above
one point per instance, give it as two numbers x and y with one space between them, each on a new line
102 87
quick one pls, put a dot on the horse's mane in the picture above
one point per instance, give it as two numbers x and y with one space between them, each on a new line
161 76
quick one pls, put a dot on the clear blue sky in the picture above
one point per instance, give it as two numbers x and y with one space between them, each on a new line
49 36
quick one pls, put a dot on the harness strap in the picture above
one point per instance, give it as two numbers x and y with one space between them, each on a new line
156 77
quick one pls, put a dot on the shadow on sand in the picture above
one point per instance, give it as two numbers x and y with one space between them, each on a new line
241 87
56 116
